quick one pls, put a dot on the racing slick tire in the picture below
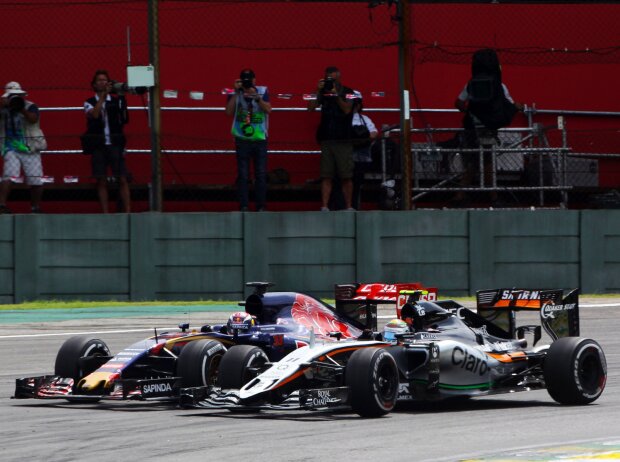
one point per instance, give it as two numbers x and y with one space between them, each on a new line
199 362
237 366
372 377
72 359
575 370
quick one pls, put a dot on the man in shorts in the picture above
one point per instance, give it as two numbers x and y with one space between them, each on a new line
21 141
334 135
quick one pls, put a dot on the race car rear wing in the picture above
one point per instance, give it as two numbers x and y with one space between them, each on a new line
360 302
559 313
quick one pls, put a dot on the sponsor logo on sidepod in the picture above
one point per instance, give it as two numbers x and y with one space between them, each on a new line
469 362
404 392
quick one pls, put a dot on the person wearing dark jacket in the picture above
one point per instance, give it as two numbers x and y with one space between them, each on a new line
487 107
334 135
106 115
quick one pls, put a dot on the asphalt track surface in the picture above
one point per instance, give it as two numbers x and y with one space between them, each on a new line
516 427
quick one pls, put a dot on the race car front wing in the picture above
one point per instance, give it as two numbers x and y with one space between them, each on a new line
56 387
316 399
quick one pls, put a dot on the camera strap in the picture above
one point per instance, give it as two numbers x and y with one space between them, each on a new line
247 105
250 112
361 117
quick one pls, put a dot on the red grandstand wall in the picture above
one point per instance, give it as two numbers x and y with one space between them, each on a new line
554 56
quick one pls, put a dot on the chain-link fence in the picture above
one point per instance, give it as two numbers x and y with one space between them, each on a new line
557 59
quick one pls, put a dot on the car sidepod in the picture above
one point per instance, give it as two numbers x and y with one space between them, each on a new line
442 369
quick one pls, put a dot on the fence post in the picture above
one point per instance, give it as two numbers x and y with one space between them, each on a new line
156 193
404 70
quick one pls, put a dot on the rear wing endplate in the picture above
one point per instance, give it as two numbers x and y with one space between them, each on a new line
559 313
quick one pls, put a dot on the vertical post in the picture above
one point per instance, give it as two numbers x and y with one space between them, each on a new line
154 109
404 72
564 164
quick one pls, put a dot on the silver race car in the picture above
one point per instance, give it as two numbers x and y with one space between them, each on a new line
435 350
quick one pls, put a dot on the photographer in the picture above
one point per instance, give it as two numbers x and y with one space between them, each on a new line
106 116
250 108
22 142
334 135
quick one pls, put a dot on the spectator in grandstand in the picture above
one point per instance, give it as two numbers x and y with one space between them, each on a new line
250 107
488 106
364 134
106 115
334 135
22 142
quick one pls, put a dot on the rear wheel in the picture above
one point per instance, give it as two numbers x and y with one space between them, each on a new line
78 357
575 370
240 364
199 362
372 377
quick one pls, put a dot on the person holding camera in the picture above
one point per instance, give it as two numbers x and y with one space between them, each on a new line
106 115
334 135
22 142
250 107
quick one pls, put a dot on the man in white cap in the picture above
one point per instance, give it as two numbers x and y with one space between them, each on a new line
21 142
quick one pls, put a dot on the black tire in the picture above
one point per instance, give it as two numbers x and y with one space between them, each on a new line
575 370
372 377
235 366
199 362
68 362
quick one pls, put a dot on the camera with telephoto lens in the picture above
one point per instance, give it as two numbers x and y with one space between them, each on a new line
328 84
246 83
16 103
120 88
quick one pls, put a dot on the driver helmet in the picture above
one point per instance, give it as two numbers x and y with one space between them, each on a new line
241 322
394 328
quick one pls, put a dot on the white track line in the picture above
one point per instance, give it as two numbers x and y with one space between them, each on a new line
87 333
602 304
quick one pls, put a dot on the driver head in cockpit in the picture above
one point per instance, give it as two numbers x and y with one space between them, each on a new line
394 328
241 322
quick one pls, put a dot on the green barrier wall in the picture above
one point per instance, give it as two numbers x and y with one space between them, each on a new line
211 255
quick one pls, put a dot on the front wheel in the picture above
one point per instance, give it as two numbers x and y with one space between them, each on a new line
199 362
372 377
575 370
240 364
78 357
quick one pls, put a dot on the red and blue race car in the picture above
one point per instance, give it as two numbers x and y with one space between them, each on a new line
157 367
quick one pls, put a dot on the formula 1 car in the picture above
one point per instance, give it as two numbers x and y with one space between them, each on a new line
445 351
276 323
